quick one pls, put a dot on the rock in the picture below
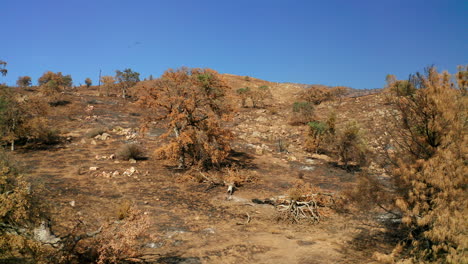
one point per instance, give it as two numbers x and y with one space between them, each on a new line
321 156
209 230
112 156
259 150
105 136
93 168
72 203
132 161
292 158
115 173
307 168
93 142
130 172
256 134
44 235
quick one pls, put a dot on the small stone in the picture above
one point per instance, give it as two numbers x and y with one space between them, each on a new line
105 136
93 168
93 142
72 203
132 161
259 150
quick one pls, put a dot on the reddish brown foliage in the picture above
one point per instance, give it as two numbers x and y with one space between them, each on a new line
191 101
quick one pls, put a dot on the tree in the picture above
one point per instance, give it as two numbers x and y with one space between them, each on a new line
126 79
23 120
3 70
24 81
52 83
108 83
88 82
430 173
191 101
257 95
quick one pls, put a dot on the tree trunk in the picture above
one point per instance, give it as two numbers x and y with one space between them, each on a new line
181 164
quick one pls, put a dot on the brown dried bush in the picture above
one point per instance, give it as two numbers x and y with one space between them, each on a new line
119 242
428 173
24 120
302 113
318 94
129 151
20 211
190 102
258 96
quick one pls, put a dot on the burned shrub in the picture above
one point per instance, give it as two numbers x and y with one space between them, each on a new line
129 151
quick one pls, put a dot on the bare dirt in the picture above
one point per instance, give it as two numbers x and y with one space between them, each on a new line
192 222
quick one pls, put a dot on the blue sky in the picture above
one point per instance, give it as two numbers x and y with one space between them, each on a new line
349 42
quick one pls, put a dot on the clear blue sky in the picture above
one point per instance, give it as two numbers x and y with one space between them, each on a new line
349 42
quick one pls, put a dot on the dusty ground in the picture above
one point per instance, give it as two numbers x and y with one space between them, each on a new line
193 223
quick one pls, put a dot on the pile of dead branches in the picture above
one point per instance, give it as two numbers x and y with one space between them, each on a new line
306 208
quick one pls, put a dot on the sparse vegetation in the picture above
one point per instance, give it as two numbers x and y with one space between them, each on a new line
414 183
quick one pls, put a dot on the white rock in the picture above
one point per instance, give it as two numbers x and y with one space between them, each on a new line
93 168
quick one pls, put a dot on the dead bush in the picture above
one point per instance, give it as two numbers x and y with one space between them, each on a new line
428 183
24 120
304 204
318 94
258 96
302 113
20 211
191 104
129 151
119 242
123 209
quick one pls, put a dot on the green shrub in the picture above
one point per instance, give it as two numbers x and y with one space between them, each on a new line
351 147
319 132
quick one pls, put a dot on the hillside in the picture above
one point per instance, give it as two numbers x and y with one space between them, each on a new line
192 220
